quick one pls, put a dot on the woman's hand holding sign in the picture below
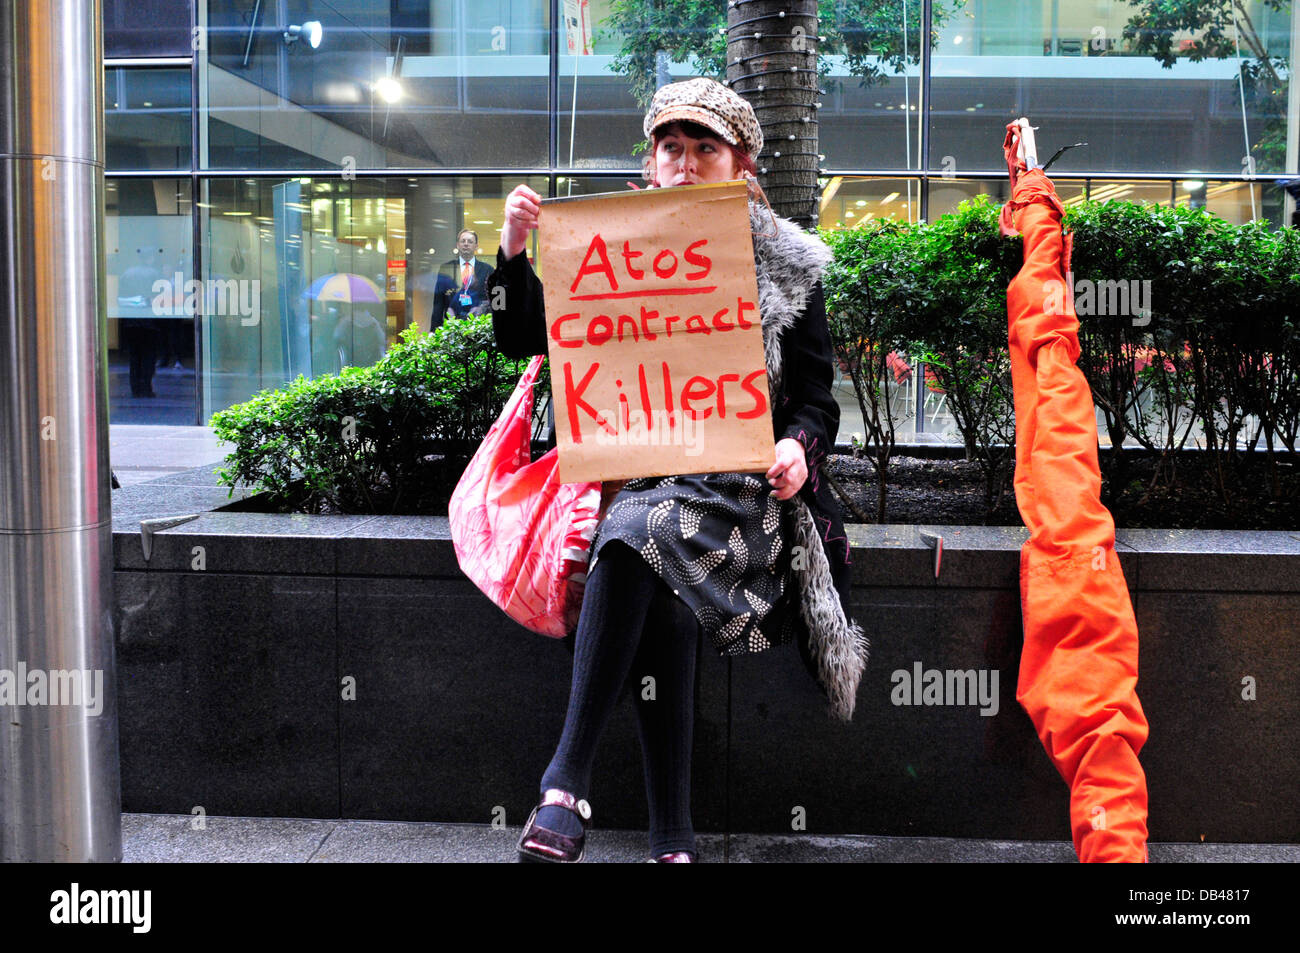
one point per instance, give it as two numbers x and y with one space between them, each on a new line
790 471
522 207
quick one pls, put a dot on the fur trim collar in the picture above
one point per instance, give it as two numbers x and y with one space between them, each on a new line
787 266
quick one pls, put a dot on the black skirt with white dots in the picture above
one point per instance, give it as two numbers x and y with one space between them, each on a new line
721 541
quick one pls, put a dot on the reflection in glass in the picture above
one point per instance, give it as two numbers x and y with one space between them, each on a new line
1238 202
599 119
848 201
318 274
609 67
1144 93
947 194
1113 190
147 119
596 184
446 84
148 232
146 27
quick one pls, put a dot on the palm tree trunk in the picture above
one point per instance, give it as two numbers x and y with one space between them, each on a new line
772 63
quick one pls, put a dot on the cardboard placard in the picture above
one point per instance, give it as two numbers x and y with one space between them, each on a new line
654 336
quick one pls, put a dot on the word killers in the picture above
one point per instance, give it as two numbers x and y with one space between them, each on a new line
949 687
103 906
665 397
20 687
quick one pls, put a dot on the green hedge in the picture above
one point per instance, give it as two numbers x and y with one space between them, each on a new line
938 291
1219 344
360 441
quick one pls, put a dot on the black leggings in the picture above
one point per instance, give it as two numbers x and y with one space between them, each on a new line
633 624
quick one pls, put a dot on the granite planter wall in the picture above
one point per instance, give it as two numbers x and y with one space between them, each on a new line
344 667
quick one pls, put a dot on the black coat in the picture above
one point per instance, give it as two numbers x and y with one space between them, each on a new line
805 410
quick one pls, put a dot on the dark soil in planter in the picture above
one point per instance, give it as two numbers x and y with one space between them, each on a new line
951 492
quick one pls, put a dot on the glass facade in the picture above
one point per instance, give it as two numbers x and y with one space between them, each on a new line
308 274
147 28
1077 71
149 242
264 154
446 85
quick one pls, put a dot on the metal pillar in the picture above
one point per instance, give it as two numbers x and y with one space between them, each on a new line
60 794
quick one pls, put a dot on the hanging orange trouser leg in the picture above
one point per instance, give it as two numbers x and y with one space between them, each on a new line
1079 666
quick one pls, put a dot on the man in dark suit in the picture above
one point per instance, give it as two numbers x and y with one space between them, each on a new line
462 282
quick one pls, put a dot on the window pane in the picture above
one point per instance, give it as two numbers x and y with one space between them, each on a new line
600 116
147 119
1238 202
146 28
868 115
595 184
849 200
148 231
469 90
1148 193
1070 68
947 194
307 275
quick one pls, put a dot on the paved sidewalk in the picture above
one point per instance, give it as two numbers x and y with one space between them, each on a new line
149 838
140 452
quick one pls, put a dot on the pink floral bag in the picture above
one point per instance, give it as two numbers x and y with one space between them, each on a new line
520 535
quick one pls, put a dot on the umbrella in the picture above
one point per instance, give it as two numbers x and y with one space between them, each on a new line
347 288
1079 664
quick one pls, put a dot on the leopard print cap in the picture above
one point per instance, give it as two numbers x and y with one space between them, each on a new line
710 104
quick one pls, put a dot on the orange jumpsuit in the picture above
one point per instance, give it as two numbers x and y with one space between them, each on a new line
1079 666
